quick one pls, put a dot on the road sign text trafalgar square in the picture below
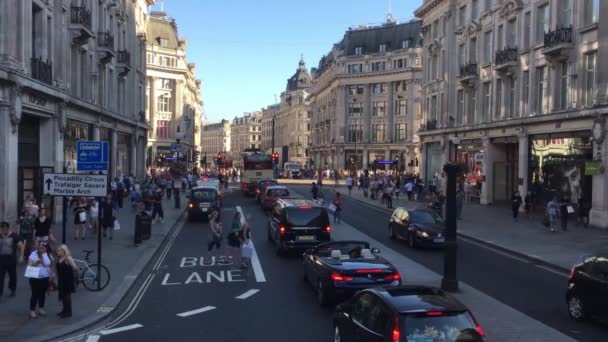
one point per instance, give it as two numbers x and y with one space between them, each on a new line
70 184
92 155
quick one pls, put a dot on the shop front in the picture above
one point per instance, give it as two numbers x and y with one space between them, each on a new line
433 161
74 132
557 167
470 154
123 154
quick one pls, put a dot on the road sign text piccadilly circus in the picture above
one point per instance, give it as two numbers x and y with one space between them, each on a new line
75 185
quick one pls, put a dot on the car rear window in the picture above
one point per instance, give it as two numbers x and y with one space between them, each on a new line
205 195
277 192
424 217
264 184
307 217
441 327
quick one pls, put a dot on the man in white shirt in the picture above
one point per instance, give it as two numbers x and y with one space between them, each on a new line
349 184
409 187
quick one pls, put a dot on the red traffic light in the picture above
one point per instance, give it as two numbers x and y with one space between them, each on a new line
219 156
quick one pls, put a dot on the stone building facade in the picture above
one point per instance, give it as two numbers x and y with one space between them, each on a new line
268 115
174 105
215 138
245 134
365 99
69 71
512 90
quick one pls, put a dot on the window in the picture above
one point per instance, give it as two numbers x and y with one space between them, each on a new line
400 132
526 91
355 109
355 68
163 103
401 107
461 15
527 30
565 18
542 22
434 108
498 111
487 47
382 48
511 33
473 50
487 102
434 67
355 133
355 90
499 35
461 54
400 63
401 86
460 108
378 66
166 84
379 88
163 129
379 108
590 75
541 88
164 42
563 86
591 11
472 112
488 5
511 107
405 44
359 50
474 9
378 133
435 28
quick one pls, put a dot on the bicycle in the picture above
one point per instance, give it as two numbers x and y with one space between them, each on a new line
88 273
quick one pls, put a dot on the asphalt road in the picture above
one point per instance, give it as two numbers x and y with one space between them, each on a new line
283 309
528 288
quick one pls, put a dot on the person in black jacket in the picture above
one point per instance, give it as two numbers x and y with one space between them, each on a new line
515 204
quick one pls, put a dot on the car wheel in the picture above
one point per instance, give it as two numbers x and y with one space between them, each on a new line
391 230
576 309
321 294
411 241
337 336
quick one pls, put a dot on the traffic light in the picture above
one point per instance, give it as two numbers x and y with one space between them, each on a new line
219 159
275 157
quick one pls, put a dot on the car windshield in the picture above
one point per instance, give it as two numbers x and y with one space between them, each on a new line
264 184
307 217
277 192
440 327
293 167
204 195
344 247
424 217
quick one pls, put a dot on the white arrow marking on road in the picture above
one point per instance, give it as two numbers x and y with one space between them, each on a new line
197 311
248 294
93 338
121 329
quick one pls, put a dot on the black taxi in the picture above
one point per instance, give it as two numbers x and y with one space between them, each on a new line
202 200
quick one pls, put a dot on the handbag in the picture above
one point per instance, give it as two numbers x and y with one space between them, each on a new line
116 225
82 216
247 249
331 207
32 272
570 209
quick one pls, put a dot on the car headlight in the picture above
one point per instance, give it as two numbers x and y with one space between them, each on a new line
422 234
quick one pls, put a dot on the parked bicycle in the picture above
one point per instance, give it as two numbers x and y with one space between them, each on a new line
88 273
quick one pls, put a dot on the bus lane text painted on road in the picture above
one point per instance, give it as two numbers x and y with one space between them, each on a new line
205 270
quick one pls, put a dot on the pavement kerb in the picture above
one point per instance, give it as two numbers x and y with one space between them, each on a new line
117 297
466 236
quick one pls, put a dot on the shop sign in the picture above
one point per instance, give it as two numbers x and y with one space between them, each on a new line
36 100
479 157
592 168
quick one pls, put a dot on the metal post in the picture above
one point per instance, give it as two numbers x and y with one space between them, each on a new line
99 200
65 215
450 278
274 167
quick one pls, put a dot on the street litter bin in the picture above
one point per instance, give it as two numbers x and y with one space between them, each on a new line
143 227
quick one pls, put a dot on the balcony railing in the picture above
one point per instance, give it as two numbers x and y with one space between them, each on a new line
105 40
558 36
506 55
429 125
42 71
124 57
81 16
468 70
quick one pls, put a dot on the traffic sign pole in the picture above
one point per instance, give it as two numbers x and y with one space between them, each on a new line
65 212
99 254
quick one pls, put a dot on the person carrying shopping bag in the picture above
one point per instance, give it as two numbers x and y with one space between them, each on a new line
39 272
246 245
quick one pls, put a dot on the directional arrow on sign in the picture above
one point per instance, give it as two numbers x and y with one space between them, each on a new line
48 184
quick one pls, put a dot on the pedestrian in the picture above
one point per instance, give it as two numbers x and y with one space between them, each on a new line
397 188
108 215
120 193
11 251
28 216
135 197
336 178
528 203
583 212
515 204
42 228
80 218
314 191
40 276
459 201
66 274
337 202
157 207
169 188
245 244
388 195
552 213
94 217
215 231
564 212
349 184
468 189
409 188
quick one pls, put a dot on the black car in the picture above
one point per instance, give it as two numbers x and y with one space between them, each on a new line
338 269
202 201
408 313
420 227
587 294
298 224
261 186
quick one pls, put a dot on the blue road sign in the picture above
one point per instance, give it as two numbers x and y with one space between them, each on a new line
93 155
176 147
385 162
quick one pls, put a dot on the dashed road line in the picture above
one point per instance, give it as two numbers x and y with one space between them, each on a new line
247 294
92 338
197 311
121 329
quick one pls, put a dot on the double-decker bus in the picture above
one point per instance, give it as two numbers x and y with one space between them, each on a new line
255 168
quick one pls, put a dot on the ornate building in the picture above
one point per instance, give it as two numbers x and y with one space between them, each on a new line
173 95
215 138
245 134
365 99
69 71
512 90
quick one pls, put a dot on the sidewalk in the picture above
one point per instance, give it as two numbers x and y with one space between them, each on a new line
124 260
527 237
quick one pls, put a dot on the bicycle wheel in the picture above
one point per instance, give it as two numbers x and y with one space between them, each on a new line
89 277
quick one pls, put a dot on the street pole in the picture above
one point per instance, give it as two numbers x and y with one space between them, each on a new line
99 200
65 215
450 277
274 167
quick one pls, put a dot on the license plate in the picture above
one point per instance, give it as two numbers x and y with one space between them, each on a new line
306 238
439 240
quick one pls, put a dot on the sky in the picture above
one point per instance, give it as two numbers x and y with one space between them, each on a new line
245 50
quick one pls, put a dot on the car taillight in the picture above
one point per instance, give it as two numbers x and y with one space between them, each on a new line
339 277
305 207
190 205
396 331
434 313
328 229
394 276
375 270
480 330
282 229
245 186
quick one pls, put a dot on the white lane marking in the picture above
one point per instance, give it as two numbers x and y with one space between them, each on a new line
255 261
121 329
563 274
197 311
92 338
248 294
